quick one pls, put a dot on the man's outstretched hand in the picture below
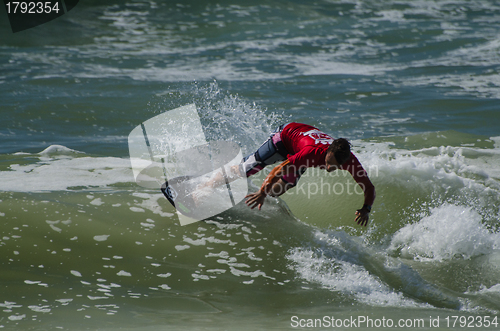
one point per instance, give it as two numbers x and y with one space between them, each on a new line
362 216
255 199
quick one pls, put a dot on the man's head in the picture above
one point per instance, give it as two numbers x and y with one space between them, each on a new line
337 154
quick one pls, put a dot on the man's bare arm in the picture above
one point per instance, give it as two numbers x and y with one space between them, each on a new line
273 185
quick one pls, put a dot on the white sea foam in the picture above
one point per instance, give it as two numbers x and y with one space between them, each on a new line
58 150
338 269
40 309
495 289
448 232
58 169
465 169
485 86
124 273
459 187
103 237
97 202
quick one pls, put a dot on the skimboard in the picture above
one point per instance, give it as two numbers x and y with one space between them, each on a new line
178 192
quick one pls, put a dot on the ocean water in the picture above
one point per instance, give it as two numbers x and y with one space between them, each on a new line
413 84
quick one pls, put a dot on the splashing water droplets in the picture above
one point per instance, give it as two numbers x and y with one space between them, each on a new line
225 116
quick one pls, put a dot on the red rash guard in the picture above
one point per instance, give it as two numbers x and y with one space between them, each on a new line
307 147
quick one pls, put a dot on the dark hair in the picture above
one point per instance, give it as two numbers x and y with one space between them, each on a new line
341 149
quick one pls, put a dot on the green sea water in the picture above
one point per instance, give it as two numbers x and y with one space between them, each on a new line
413 85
